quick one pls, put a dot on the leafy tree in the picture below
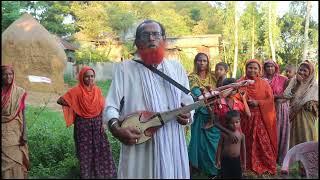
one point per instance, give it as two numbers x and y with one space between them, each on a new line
121 16
11 11
91 19
292 30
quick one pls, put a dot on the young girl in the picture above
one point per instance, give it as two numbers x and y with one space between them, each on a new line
221 71
234 101
228 153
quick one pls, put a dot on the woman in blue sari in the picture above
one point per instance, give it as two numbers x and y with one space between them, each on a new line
204 142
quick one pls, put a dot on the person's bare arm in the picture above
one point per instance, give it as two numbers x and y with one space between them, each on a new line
23 138
243 96
219 151
243 148
62 102
233 137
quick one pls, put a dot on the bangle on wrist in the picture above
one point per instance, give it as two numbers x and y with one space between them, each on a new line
113 123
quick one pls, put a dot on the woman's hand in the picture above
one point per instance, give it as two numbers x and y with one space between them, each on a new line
233 137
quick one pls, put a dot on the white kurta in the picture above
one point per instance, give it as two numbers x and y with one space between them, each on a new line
165 155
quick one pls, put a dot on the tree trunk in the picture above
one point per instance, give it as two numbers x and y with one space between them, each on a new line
306 29
235 62
252 45
273 51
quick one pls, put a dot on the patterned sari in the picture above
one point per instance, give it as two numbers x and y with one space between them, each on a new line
92 146
204 142
14 156
277 84
303 108
260 129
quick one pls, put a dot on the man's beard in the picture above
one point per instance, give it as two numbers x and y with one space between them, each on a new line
151 56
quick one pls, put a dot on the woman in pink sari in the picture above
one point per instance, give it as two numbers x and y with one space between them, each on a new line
278 84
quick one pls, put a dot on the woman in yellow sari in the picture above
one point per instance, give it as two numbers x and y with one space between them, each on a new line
14 151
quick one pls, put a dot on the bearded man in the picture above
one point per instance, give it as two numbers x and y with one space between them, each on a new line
165 155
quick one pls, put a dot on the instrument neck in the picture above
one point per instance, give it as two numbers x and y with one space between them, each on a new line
169 115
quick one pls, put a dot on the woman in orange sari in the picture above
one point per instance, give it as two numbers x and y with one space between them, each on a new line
259 129
83 105
14 150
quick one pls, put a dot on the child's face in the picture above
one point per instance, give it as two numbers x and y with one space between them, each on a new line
290 72
234 123
220 71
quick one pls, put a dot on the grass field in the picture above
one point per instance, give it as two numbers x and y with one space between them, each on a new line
51 144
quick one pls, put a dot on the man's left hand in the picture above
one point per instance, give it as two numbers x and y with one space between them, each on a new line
184 119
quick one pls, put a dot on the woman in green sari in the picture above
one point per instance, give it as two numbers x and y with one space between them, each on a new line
204 142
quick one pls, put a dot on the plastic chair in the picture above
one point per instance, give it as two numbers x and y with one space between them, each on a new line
308 154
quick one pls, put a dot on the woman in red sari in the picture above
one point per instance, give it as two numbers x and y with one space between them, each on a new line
259 129
82 106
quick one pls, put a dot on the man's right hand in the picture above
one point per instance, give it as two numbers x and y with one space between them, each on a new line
127 135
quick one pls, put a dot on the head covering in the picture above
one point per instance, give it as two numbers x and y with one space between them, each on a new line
6 92
261 91
12 98
278 81
84 101
273 63
254 61
307 91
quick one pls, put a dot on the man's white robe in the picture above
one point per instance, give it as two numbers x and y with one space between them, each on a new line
165 155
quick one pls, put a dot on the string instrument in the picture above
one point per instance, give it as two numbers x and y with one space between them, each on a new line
148 122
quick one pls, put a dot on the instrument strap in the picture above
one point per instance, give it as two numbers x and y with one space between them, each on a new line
166 77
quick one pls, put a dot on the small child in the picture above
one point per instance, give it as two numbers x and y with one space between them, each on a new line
228 152
221 71
290 71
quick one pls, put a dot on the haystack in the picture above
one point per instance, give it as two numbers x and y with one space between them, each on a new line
32 50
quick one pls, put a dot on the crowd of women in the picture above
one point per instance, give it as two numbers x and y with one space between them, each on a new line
283 113
278 112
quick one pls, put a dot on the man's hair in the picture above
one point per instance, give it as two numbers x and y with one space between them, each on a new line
227 81
230 114
139 29
223 64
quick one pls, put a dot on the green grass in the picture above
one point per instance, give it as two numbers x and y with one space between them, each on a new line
51 144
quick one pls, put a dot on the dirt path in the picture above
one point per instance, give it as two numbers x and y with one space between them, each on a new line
40 99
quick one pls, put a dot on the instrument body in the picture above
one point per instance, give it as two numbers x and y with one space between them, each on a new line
148 122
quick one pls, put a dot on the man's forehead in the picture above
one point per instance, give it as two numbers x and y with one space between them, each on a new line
151 27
